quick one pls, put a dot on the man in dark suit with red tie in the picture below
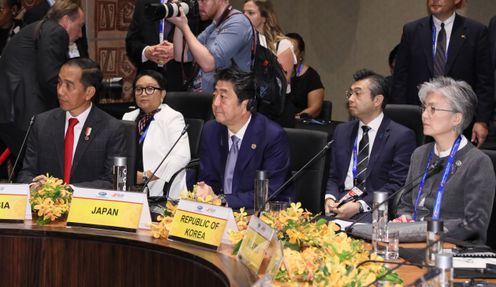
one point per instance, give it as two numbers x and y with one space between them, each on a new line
76 142
371 153
446 44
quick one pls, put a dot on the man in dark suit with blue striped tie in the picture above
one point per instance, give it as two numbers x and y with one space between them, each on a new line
370 153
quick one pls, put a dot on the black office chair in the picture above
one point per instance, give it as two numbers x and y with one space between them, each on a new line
326 112
309 186
410 116
491 235
191 104
131 146
194 136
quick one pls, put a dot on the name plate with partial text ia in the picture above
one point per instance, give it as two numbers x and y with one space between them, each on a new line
108 209
14 203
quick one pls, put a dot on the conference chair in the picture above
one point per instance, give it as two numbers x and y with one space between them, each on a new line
194 136
191 104
410 116
131 146
326 111
491 234
309 187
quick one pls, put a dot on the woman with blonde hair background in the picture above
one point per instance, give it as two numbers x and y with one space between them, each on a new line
263 18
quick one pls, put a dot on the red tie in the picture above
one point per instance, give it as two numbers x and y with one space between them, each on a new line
68 148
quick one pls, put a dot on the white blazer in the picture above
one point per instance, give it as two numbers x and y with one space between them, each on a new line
163 131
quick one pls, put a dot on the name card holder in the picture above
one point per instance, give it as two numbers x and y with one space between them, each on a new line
200 224
256 242
108 209
14 203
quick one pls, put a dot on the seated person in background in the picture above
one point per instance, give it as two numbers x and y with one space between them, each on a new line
307 91
76 142
370 153
159 126
239 142
466 195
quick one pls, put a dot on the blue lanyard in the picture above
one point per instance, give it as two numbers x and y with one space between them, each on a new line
440 189
143 134
161 26
355 163
434 34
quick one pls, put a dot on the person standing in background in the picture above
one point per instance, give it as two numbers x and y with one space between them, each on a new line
29 68
446 44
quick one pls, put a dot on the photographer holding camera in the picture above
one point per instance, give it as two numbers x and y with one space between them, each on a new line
225 42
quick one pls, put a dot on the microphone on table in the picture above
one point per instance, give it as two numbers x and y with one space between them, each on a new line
23 145
433 169
294 176
145 184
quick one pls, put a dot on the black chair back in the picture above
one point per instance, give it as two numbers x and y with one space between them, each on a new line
191 104
309 186
491 235
194 135
410 116
131 146
326 112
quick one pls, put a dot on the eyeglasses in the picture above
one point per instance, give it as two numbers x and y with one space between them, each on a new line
432 110
356 92
148 90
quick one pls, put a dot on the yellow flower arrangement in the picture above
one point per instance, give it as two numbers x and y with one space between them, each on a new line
316 253
50 200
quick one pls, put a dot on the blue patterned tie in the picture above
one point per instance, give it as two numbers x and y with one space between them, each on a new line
230 165
440 56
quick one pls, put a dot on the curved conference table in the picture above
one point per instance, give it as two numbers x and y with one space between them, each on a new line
33 255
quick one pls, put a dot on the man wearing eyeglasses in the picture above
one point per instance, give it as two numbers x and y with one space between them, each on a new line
76 142
370 153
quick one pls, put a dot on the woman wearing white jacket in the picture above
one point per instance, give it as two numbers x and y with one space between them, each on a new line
159 126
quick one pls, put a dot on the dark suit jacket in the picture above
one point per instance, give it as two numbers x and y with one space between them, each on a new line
144 32
492 40
388 161
38 12
29 70
93 159
468 60
264 147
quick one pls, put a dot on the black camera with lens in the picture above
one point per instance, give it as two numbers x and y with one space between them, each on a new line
158 11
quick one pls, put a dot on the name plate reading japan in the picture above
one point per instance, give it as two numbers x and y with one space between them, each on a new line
14 203
107 209
200 224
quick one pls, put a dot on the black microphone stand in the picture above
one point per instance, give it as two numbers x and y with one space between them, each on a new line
145 184
295 175
22 148
433 169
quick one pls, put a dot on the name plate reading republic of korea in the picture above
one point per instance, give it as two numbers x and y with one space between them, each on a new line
106 209
14 202
255 243
199 223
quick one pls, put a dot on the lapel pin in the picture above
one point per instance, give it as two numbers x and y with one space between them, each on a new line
87 133
253 146
463 36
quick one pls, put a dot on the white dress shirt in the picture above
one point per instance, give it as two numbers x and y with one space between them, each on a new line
448 27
